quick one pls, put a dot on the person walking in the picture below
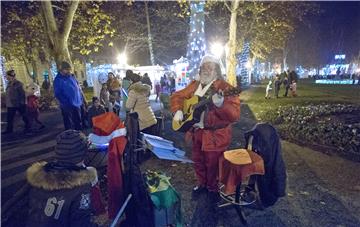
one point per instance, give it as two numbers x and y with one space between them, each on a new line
172 84
15 102
277 85
68 93
157 90
353 77
32 109
138 101
286 85
146 80
125 87
268 90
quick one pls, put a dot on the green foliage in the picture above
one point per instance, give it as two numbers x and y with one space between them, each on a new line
22 36
268 25
91 29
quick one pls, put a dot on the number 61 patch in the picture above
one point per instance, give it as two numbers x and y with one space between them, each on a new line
85 201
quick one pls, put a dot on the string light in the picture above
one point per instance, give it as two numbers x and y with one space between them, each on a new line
196 46
2 70
243 66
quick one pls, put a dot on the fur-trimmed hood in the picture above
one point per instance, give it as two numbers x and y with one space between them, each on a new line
140 88
55 180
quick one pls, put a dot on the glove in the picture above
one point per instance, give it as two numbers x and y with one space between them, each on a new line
218 100
201 123
178 116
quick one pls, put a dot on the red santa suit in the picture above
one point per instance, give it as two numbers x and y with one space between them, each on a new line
210 141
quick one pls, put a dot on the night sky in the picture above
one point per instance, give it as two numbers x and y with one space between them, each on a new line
336 30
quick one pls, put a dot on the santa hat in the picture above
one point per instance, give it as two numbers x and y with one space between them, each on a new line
209 58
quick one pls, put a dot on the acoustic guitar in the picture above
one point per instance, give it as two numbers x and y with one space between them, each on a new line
194 106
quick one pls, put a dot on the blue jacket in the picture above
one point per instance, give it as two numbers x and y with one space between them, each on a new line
67 91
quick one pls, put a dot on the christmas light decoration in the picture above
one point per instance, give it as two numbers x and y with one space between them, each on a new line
3 73
196 44
244 65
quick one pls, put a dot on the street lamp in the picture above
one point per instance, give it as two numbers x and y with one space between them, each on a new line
217 49
122 59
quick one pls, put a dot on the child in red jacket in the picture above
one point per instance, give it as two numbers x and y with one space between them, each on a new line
33 110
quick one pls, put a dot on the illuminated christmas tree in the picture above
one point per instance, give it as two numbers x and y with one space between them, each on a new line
243 67
196 44
3 73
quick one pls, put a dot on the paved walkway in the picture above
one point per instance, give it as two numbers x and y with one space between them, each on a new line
19 151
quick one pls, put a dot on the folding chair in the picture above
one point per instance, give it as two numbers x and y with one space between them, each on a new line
234 192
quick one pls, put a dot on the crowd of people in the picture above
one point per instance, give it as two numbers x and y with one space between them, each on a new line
287 79
133 90
74 107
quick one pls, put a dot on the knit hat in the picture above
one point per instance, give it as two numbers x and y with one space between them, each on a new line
209 58
65 65
71 146
10 73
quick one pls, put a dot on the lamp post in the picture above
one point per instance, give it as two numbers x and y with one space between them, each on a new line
217 49
122 59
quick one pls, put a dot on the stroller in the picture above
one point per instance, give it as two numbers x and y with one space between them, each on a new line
265 183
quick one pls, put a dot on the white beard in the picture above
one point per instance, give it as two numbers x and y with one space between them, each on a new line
206 78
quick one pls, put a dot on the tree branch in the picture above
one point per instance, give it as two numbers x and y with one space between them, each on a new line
50 41
68 21
227 5
49 16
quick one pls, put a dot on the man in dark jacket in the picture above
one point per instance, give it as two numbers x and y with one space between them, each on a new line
60 190
15 101
68 93
146 80
286 85
277 84
266 142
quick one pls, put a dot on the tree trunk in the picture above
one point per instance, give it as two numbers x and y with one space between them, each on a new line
61 53
58 37
27 67
231 58
149 34
35 70
285 53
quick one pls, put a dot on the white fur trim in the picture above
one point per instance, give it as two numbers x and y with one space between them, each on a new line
102 140
209 58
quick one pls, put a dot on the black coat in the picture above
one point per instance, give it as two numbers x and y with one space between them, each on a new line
60 197
266 143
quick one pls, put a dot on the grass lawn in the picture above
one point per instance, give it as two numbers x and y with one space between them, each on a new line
308 93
